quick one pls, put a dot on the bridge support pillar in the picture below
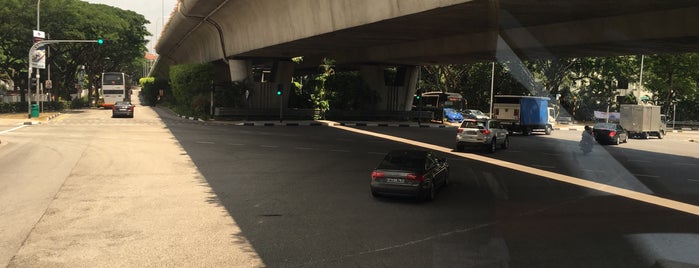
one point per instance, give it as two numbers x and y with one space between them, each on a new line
373 75
398 97
412 73
239 69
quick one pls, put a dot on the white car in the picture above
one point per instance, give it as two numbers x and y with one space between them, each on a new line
477 133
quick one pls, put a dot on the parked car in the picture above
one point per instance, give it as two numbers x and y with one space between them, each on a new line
452 115
123 108
610 133
416 173
478 133
474 114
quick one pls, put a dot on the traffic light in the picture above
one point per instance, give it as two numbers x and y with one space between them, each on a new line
100 41
418 94
280 88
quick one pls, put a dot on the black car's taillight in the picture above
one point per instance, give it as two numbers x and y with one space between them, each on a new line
415 177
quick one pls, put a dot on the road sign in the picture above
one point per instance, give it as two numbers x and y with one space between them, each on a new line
39 56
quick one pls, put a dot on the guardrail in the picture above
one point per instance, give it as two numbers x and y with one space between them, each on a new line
256 113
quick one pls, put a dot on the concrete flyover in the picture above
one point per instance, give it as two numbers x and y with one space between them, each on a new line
370 34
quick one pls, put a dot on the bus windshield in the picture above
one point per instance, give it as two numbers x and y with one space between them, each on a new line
113 79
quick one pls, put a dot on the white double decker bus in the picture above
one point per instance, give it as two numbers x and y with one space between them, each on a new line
115 87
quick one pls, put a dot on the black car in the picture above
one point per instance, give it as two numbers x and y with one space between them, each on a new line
416 173
610 133
123 108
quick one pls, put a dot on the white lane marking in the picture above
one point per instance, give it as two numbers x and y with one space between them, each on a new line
12 129
205 142
647 198
693 180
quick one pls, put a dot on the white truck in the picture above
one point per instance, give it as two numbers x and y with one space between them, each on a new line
642 121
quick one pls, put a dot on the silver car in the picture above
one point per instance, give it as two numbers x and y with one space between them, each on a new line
478 133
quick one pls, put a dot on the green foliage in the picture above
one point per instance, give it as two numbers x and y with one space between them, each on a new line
674 79
300 96
190 84
78 103
13 107
231 94
320 95
150 90
71 19
350 92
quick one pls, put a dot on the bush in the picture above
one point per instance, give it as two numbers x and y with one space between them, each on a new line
79 103
13 107
150 90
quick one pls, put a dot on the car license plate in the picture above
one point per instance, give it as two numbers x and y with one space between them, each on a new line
122 109
395 180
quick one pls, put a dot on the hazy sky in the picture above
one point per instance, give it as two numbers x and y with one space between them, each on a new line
153 10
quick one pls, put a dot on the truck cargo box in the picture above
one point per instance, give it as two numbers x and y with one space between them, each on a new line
642 120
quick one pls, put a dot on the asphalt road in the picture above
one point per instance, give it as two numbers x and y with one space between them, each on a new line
300 194
158 190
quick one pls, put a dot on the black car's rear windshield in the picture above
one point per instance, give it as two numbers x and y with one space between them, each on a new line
413 161
609 126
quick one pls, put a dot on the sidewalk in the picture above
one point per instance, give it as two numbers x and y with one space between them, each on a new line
23 118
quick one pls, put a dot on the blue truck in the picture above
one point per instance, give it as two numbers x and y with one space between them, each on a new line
524 114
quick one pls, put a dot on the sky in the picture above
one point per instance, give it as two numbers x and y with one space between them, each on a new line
153 10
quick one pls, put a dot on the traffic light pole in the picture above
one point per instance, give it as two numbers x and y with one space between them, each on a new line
32 50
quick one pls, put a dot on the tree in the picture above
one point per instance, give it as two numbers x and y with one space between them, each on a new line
71 19
674 79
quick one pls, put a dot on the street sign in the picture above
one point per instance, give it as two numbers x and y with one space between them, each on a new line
39 57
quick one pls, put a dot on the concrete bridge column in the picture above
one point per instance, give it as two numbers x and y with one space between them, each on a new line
399 97
373 75
239 69
412 74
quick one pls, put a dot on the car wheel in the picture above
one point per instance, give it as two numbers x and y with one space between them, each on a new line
446 179
548 130
506 143
429 195
493 145
616 141
626 139
661 134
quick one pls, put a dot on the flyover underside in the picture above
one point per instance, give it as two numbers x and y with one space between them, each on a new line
668 31
453 32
